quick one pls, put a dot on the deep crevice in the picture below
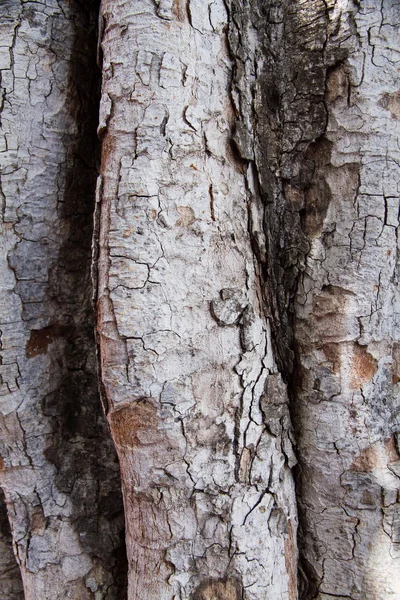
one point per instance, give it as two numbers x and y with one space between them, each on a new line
84 450
10 576
60 322
288 115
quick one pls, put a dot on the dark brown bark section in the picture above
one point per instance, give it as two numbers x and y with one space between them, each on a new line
82 449
297 47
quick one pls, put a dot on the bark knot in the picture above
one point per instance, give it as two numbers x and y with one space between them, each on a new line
229 308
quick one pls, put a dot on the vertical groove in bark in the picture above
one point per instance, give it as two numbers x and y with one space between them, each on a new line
60 472
282 54
197 409
10 576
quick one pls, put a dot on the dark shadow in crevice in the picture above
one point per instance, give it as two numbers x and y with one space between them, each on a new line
10 577
81 446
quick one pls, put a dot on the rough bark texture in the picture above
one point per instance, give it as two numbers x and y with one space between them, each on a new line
197 408
59 471
245 263
321 126
347 322
10 576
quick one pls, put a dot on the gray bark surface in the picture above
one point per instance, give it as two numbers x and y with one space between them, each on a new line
59 470
196 405
245 277
325 144
319 127
346 397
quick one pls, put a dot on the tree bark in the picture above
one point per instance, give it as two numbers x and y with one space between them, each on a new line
325 139
59 471
245 276
346 326
196 406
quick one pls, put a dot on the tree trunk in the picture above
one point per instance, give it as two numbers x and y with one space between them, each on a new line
196 406
245 276
346 396
59 472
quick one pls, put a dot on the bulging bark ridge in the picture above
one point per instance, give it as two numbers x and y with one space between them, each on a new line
196 406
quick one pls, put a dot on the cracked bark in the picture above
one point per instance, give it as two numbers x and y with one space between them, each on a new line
59 471
323 137
196 406
304 90
245 252
346 401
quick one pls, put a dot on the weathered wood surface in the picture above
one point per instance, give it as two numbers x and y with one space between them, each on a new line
245 269
323 123
347 332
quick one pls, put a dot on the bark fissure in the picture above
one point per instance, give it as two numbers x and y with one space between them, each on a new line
60 473
334 326
311 55
10 576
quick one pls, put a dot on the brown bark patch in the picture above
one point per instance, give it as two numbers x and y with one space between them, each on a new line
375 456
391 449
113 350
218 589
291 561
108 146
186 216
40 339
332 300
38 521
366 461
136 424
396 364
391 102
364 366
147 521
332 353
179 8
318 196
337 85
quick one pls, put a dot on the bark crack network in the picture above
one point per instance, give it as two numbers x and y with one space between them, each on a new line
243 273
59 471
